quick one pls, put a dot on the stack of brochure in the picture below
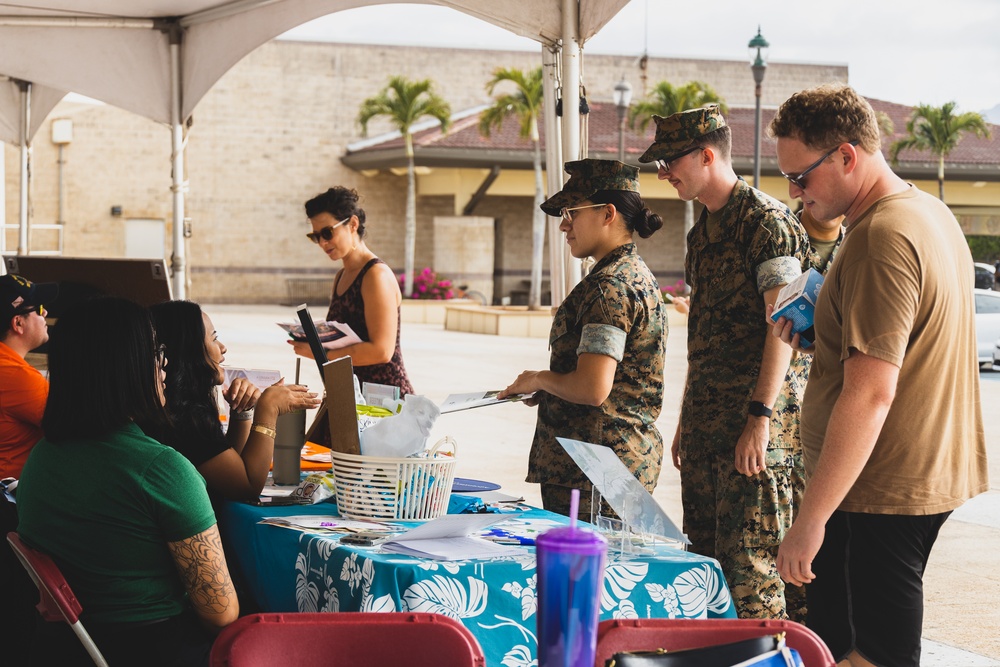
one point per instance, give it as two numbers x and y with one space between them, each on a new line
331 334
450 538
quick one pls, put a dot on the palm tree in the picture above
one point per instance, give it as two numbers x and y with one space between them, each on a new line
665 100
525 103
938 130
404 102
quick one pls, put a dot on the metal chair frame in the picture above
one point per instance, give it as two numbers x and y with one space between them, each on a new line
57 601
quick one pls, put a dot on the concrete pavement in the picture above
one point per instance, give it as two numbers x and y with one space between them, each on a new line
962 583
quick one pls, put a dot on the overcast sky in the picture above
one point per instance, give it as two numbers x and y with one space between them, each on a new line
904 51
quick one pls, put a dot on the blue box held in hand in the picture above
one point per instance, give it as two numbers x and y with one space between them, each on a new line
797 303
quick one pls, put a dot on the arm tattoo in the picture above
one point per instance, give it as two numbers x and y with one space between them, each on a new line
201 564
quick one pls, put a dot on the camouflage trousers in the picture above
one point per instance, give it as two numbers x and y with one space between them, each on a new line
740 521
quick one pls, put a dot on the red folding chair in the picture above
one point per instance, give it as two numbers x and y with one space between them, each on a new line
674 634
57 602
323 639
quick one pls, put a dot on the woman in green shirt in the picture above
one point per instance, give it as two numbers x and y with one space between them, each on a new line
126 518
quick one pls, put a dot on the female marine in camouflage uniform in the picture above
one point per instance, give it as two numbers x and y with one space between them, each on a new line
605 379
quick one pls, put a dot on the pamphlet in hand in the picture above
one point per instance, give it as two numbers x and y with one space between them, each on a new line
332 335
262 379
450 538
456 402
796 302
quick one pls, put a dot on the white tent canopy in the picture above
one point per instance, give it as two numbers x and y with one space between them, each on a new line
43 99
158 58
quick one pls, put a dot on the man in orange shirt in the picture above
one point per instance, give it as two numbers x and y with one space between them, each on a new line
23 392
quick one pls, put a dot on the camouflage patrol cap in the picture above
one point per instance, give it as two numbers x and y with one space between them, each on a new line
589 176
681 131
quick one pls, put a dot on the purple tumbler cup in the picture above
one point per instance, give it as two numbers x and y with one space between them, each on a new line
570 577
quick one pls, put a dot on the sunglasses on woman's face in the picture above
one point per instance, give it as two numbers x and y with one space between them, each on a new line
326 233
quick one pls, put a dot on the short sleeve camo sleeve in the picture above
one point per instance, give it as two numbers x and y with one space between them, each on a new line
778 249
606 319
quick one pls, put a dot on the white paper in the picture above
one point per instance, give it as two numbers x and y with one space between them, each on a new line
456 402
790 292
262 379
449 538
313 521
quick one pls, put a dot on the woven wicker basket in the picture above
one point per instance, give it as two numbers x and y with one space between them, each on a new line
408 489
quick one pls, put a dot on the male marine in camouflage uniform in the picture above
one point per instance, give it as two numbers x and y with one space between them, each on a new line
824 241
736 483
616 311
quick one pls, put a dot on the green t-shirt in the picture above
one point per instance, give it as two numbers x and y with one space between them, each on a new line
105 509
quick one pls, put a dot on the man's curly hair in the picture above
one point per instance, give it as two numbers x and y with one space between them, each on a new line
827 116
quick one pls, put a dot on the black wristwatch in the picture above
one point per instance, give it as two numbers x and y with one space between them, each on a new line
758 409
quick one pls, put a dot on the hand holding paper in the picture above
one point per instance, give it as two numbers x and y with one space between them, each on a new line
456 402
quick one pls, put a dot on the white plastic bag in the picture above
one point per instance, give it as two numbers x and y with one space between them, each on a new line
404 434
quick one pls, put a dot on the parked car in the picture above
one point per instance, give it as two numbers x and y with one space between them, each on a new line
988 326
985 276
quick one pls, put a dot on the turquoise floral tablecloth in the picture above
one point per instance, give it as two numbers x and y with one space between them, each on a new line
288 570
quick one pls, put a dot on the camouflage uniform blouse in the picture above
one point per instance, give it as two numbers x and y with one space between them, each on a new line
751 245
616 311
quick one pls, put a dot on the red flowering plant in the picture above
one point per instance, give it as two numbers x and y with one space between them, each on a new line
428 285
677 289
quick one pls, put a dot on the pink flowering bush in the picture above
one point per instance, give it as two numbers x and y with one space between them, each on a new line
428 285
677 289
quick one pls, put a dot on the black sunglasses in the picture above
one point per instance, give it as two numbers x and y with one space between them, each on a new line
160 353
327 232
27 310
799 180
665 164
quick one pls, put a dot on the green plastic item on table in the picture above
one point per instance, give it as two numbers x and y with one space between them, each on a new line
373 411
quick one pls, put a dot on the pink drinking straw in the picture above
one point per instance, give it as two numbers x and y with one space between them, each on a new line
574 507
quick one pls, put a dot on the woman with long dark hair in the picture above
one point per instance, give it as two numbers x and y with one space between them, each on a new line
126 518
605 379
234 464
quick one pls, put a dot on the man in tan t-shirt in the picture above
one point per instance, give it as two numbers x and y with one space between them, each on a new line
892 430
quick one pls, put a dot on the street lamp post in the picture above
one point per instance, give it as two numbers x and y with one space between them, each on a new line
758 63
623 98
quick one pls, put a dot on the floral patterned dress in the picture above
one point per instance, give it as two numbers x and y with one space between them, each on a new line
349 308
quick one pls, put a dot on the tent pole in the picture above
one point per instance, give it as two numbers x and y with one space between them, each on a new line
22 222
571 110
553 171
3 205
178 257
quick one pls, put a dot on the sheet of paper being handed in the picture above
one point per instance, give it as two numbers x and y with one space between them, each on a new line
782 329
515 392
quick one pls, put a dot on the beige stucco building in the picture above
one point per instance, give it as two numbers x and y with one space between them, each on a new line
276 129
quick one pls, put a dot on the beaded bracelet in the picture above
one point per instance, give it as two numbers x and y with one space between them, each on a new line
244 416
266 430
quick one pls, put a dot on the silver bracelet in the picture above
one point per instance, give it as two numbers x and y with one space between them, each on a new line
244 416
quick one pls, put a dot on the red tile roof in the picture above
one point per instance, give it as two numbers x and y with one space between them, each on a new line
603 132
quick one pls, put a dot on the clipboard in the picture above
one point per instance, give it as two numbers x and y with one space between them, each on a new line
312 336
339 406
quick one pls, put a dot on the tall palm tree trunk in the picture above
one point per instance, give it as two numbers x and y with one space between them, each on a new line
941 178
537 226
410 241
